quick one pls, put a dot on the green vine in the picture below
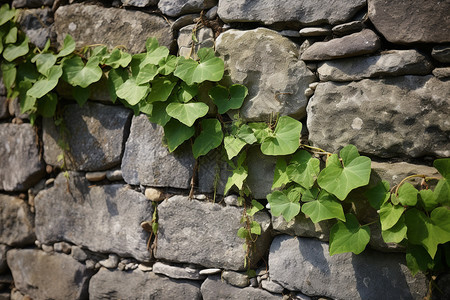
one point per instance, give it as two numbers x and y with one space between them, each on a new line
168 90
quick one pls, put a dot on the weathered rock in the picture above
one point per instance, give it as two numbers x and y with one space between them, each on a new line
267 64
213 288
48 276
91 24
74 211
16 222
95 176
96 135
31 3
213 172
47 248
208 234
14 109
400 116
4 113
3 265
396 172
442 72
37 24
314 31
441 53
390 63
303 226
21 164
111 262
177 272
260 172
302 264
210 271
212 13
271 286
364 42
79 254
428 21
304 12
147 161
205 38
62 247
153 194
114 175
347 28
108 284
139 3
174 8
184 21
235 278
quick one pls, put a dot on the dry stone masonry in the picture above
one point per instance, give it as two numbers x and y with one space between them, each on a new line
373 73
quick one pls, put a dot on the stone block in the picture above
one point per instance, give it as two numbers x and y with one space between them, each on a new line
16 222
174 8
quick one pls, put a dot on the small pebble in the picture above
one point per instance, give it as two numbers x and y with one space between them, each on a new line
97 266
147 226
212 13
309 92
314 31
62 247
231 200
111 262
271 286
313 85
200 197
209 271
144 268
47 248
290 33
253 282
121 266
48 169
90 264
347 28
268 205
49 181
114 175
153 194
95 176
79 254
38 244
131 266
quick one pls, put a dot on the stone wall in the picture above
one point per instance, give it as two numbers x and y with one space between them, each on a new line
371 73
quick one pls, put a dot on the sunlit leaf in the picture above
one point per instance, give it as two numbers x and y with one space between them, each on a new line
46 84
209 68
233 145
228 98
77 73
187 113
176 133
389 215
285 139
379 194
280 177
13 51
68 46
280 204
209 138
396 233
132 92
324 208
303 169
349 236
161 89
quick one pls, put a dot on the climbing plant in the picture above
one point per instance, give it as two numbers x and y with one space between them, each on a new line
169 89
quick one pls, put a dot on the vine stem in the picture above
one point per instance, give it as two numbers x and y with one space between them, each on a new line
410 177
321 151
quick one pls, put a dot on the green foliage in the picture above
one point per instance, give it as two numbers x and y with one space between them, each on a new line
209 139
227 99
324 206
349 236
286 204
208 68
285 139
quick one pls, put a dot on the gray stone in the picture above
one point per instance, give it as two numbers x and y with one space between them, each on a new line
95 176
442 72
212 13
260 172
74 211
302 264
377 115
147 161
174 8
145 268
231 200
428 21
303 226
95 135
309 92
91 24
364 42
396 172
213 172
184 21
205 38
37 24
389 63
177 272
347 28
314 31
3 265
210 271
62 247
47 248
16 222
208 236
14 109
114 175
139 3
111 262
271 286
4 113
48 276
304 12
31 3
79 254
115 284
235 278
267 63
290 33
2 87
21 163
214 288
441 53
153 194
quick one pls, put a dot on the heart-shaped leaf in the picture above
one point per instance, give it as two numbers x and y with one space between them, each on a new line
349 236
6 13
161 89
187 113
325 207
146 73
303 169
118 58
280 176
209 138
68 46
116 77
390 214
379 194
233 145
159 114
13 51
77 73
132 92
226 99
239 174
209 68
46 84
281 204
407 195
176 133
396 233
168 65
285 139
44 61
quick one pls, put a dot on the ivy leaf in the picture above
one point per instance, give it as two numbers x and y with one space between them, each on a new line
390 214
246 133
161 89
285 139
303 169
428 231
146 74
155 53
187 113
349 236
339 179
167 65
45 85
442 192
27 103
418 259
233 145
209 68
176 133
428 199
209 138
280 204
6 14
151 44
145 107
76 73
13 51
118 58
116 77
132 92
443 166
101 52
407 195
187 92
46 106
238 176
44 62
81 95
159 114
379 194
227 99
280 176
68 46
324 208
255 228
11 36
242 233
396 233
9 73
256 206
260 131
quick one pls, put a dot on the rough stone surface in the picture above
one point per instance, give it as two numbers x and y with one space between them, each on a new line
427 21
305 12
173 8
235 278
205 38
396 172
347 28
114 175
184 21
20 163
139 3
4 113
3 265
177 272
442 72
37 24
302 264
48 276
303 226
401 116
267 64
95 176
147 161
441 53
364 42
115 284
79 254
214 288
390 63
32 3
208 235
260 172
272 286
213 172
75 212
91 24
16 222
96 134
62 247
314 31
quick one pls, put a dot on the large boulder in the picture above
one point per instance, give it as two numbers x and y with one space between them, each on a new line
404 22
102 218
20 164
16 222
174 8
37 24
267 64
95 136
206 234
392 117
304 12
147 161
91 24
48 276
303 264
115 284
